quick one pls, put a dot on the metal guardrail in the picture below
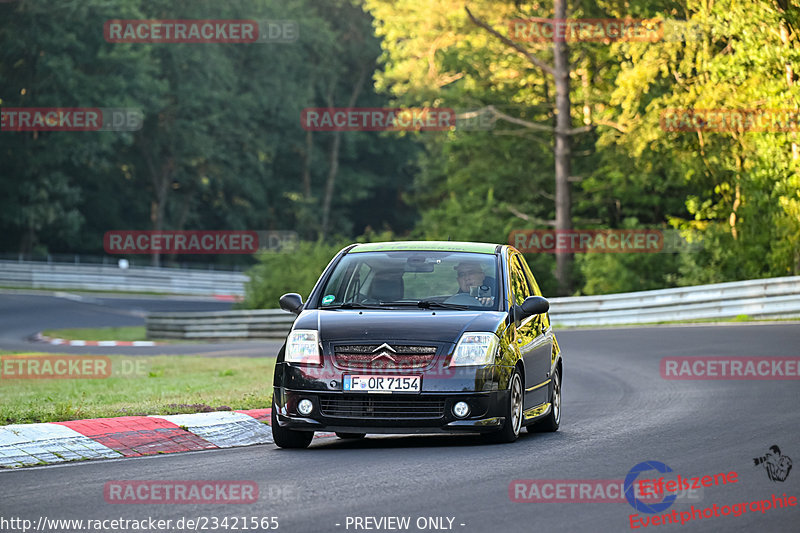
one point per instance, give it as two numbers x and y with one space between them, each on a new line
219 325
761 298
38 275
765 298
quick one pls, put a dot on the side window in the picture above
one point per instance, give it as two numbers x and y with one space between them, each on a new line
529 275
519 285
534 287
335 286
352 284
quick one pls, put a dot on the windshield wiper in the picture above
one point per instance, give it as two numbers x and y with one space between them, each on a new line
428 304
350 305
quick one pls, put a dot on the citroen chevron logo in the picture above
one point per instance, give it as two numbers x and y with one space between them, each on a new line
384 352
385 347
383 355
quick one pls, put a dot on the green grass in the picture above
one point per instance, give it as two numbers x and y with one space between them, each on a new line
141 385
126 333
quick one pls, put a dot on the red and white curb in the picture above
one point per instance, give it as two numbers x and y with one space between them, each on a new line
63 342
132 436
229 297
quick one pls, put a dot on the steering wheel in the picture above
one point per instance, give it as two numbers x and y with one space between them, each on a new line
462 298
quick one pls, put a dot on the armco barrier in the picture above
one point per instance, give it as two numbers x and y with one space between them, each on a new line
765 298
40 275
219 325
761 298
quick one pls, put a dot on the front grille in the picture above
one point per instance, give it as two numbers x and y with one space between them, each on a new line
369 407
380 357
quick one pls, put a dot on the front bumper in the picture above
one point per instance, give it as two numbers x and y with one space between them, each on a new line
386 413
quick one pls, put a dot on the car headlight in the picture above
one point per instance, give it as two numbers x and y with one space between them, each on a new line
475 349
302 346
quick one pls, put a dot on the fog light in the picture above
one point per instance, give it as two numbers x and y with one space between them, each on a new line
305 406
461 409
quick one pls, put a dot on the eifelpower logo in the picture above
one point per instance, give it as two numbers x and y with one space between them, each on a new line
201 31
377 119
181 242
17 119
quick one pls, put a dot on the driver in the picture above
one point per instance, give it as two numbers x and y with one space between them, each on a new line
472 281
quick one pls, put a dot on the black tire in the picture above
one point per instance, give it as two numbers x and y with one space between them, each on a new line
512 413
287 438
347 436
552 421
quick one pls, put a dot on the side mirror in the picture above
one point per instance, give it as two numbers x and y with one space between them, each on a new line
292 302
534 305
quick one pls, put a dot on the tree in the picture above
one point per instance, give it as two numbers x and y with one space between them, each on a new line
55 56
741 188
454 54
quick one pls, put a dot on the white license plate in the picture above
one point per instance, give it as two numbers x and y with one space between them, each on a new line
384 384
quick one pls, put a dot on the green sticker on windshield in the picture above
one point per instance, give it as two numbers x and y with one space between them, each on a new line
328 299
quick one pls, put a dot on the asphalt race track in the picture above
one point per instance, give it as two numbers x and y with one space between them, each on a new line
617 412
23 314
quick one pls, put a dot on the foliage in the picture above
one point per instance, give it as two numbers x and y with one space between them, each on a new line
222 146
297 270
279 273
738 191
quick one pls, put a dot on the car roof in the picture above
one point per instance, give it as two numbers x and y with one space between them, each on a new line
428 246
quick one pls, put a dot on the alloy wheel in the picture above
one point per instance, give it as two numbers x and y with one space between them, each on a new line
516 404
557 398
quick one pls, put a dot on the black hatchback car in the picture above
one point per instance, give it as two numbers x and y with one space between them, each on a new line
418 337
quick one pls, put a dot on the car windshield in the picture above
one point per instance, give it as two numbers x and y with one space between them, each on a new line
413 279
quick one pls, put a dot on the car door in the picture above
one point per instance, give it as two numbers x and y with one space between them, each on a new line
545 327
531 340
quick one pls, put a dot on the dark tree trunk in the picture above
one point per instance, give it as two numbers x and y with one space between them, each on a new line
333 159
560 71
562 151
